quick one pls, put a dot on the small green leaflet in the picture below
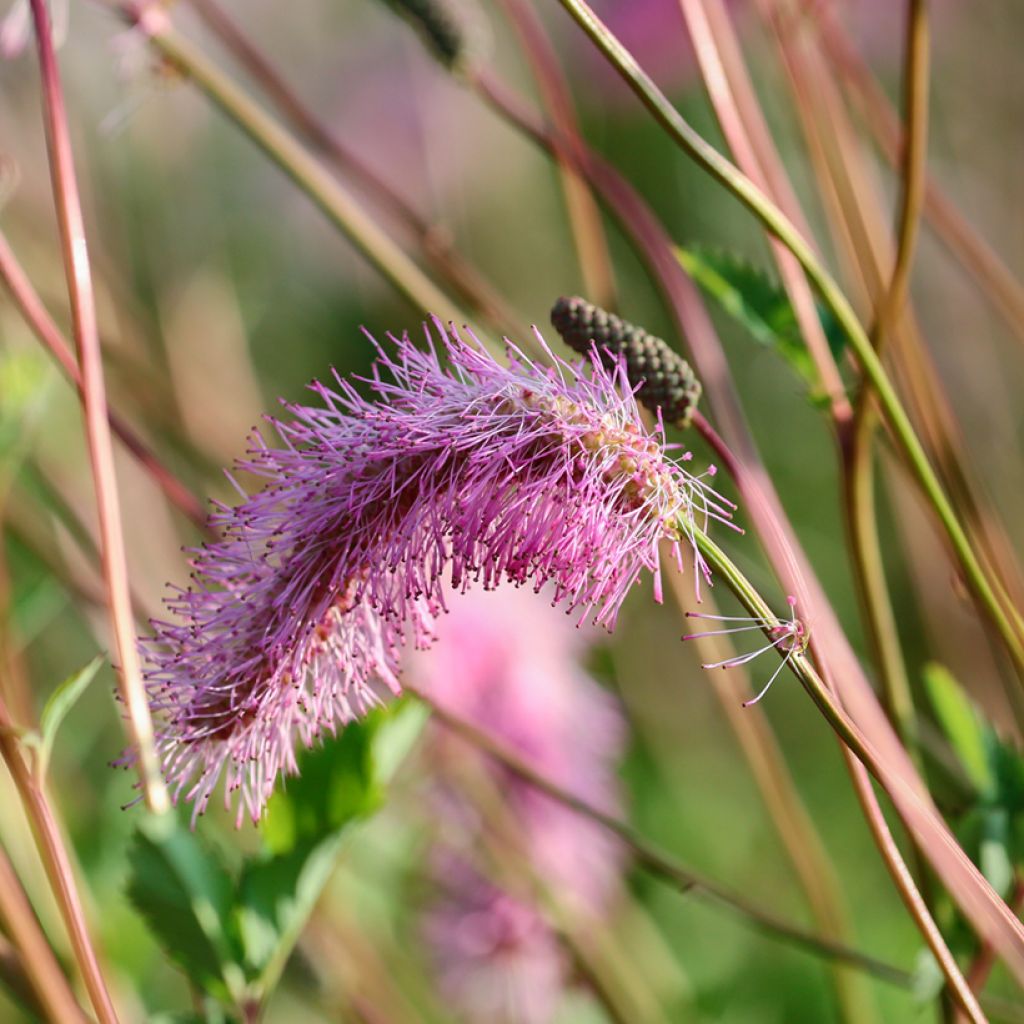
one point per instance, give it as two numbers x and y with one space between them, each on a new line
759 303
232 929
61 701
961 724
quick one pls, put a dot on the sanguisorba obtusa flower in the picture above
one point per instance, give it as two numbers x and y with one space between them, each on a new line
457 470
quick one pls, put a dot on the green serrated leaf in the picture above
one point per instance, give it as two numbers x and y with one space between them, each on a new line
759 303
186 895
60 702
961 723
335 783
306 826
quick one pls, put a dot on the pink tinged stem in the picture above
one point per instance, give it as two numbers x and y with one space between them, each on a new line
86 333
57 864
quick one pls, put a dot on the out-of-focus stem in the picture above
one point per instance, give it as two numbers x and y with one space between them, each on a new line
860 511
305 170
865 753
449 264
46 330
984 960
86 333
776 222
880 118
732 122
48 984
584 215
58 868
654 860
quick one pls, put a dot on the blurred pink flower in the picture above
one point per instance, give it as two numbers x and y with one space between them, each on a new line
510 665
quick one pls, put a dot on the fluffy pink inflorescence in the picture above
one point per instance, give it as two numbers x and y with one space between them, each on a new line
510 666
452 475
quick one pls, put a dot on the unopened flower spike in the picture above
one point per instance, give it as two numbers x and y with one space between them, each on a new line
663 380
790 636
458 471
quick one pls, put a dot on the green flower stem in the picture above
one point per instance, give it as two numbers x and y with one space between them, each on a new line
801 666
859 507
304 169
776 222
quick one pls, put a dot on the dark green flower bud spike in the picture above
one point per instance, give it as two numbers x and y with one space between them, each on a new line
437 23
665 378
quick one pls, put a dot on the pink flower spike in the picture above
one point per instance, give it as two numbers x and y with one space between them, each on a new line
458 470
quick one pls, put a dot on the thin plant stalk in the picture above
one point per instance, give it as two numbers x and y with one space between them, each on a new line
87 341
831 647
341 208
881 119
35 314
48 984
653 860
860 747
733 124
793 824
859 507
844 177
57 863
463 278
584 214
776 222
984 959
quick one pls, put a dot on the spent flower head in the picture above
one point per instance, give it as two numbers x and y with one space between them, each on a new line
459 470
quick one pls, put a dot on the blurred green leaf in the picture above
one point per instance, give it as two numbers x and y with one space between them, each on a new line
186 895
994 856
61 701
757 302
338 783
926 980
961 724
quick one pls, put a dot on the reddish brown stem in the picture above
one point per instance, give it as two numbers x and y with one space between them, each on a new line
94 401
58 868
48 983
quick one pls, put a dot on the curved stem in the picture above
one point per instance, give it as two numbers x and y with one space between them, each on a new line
48 984
859 507
775 221
726 103
896 786
58 868
94 401
879 117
